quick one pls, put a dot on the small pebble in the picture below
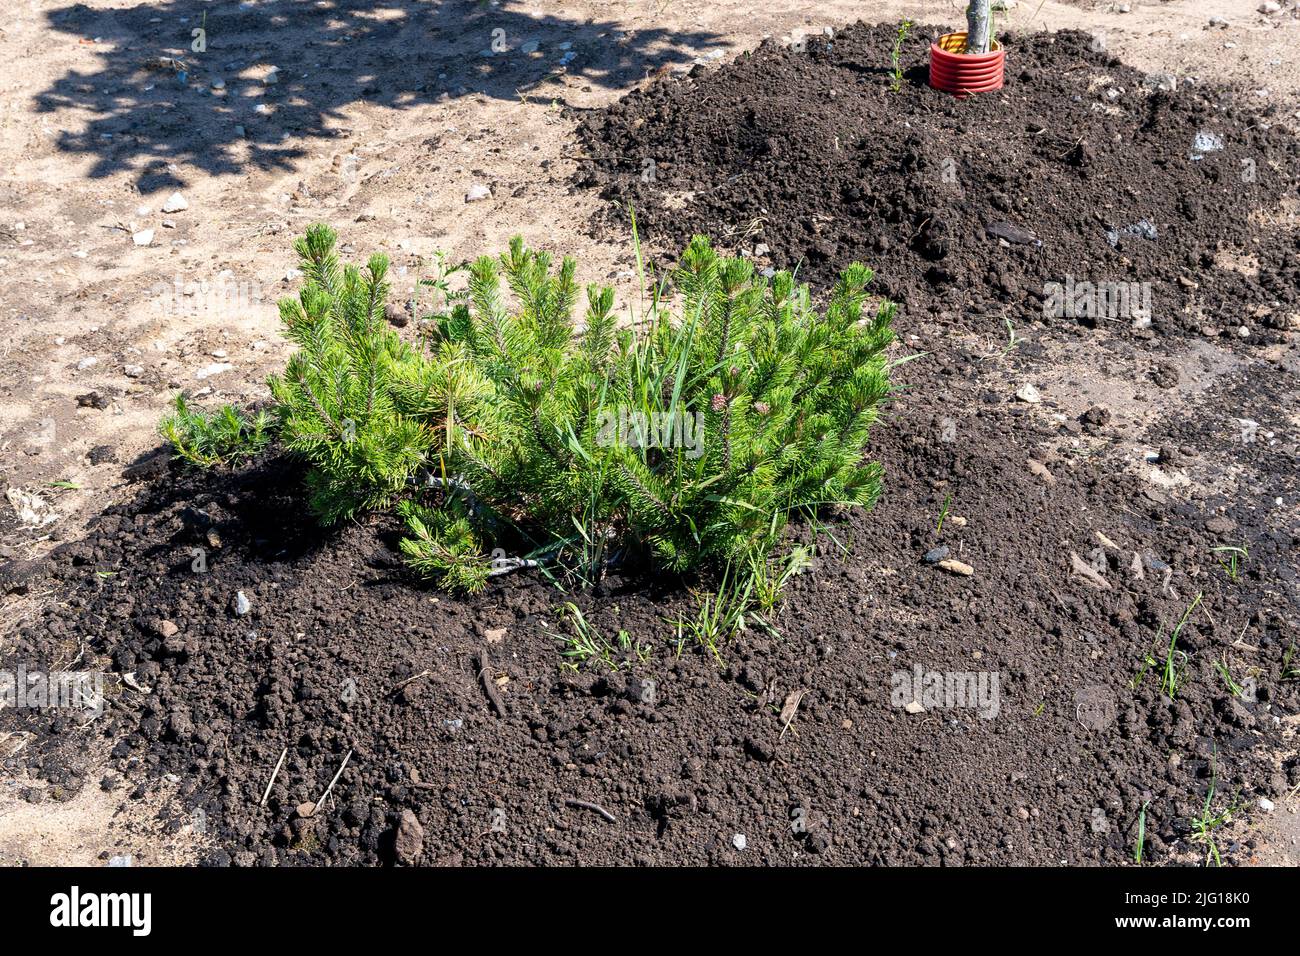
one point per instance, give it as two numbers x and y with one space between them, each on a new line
216 368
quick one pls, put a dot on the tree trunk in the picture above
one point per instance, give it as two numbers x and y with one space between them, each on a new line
979 26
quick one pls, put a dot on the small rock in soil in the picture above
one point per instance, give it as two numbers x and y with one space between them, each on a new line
408 842
478 192
216 368
913 707
937 555
739 842
242 604
1030 394
957 567
175 203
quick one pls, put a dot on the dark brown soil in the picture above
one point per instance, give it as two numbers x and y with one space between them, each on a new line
811 154
708 759
343 653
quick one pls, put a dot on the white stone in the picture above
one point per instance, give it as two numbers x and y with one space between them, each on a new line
478 192
1028 393
175 203
216 368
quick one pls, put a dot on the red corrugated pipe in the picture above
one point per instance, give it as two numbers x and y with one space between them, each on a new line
960 73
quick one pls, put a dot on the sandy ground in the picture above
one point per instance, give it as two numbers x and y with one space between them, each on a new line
380 123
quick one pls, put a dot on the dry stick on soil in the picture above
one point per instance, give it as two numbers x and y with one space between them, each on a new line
586 805
25 737
274 773
790 708
316 806
410 680
486 681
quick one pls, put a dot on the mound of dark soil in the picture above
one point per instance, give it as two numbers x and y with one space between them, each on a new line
343 654
810 155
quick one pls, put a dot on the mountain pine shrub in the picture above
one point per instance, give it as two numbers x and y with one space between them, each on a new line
688 439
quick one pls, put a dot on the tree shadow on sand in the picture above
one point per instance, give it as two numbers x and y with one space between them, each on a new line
155 101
